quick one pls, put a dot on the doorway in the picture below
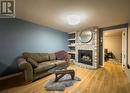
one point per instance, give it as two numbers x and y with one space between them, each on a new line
101 39
115 46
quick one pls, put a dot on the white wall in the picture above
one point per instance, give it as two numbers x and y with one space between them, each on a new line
114 45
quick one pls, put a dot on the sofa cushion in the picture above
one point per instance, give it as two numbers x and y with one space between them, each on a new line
32 62
52 56
39 57
57 62
44 66
60 62
50 62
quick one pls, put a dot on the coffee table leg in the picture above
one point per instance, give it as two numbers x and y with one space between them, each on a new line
58 76
73 75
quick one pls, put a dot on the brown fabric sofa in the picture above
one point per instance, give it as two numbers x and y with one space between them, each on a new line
45 62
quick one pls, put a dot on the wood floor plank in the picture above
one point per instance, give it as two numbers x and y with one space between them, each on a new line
108 79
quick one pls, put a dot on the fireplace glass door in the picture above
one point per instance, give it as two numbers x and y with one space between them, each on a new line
85 56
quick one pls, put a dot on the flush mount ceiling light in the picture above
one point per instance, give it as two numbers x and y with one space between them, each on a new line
73 19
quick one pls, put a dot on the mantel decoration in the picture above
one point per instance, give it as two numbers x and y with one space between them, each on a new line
86 36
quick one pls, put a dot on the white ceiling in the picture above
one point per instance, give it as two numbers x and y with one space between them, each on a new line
52 13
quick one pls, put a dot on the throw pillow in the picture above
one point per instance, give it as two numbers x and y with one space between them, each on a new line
32 62
60 55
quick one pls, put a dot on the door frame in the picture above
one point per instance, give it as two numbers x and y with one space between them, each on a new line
101 30
125 64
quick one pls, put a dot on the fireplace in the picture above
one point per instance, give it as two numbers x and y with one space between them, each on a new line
85 56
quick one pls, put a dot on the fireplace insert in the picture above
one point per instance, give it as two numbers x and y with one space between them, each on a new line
85 56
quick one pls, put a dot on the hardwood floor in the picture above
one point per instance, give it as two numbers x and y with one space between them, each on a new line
110 79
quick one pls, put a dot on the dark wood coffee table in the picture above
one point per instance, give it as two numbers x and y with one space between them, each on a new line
60 73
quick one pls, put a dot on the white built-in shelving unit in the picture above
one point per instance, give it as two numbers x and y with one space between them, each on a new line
71 44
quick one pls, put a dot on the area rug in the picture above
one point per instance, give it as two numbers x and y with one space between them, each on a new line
64 82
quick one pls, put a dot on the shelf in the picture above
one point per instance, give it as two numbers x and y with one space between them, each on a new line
73 45
71 52
71 33
71 39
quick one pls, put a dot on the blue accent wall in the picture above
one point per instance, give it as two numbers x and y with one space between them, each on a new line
18 36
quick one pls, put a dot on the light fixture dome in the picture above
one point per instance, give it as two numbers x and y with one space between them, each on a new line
73 19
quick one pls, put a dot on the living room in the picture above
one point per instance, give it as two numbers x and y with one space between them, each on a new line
58 46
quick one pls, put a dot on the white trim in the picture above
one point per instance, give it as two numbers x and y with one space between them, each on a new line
103 49
125 52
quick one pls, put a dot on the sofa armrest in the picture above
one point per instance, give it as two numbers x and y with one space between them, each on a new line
26 68
67 58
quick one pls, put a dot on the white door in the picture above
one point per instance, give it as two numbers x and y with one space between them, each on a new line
124 49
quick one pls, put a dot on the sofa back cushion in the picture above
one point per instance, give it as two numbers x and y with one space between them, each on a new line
39 57
52 56
32 62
